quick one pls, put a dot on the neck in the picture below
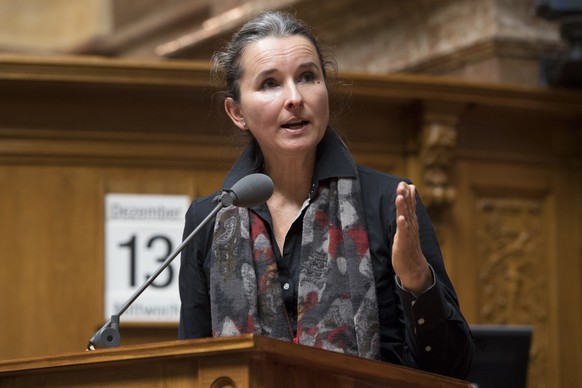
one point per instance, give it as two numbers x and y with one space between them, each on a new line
291 177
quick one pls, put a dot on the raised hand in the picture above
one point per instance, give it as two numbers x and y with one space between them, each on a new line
408 260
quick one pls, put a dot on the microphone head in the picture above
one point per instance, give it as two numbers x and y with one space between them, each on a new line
252 190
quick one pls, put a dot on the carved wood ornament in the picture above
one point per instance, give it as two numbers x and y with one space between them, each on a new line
438 142
512 277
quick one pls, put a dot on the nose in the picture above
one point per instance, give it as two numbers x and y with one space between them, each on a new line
294 98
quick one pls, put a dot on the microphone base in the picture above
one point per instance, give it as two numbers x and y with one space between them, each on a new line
106 337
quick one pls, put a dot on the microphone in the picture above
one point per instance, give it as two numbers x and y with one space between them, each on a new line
250 191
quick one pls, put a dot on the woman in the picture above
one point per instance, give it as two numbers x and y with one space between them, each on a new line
341 257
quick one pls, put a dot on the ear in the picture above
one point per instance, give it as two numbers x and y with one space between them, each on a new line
234 111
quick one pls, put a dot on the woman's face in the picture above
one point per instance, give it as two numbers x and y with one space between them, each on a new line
283 96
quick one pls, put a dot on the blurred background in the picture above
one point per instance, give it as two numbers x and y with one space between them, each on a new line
491 41
477 101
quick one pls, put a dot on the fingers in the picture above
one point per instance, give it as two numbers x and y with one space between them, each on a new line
406 221
405 202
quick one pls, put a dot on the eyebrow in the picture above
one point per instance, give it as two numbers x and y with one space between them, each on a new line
306 65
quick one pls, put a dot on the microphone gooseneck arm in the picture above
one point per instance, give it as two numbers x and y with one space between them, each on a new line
250 191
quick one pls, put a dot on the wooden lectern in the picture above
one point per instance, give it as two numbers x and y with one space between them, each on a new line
246 361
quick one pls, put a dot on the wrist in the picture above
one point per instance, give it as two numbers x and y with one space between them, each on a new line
417 282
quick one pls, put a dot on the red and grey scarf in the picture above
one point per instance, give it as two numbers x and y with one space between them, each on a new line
337 306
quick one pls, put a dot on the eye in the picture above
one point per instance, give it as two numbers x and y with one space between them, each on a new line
307 77
269 83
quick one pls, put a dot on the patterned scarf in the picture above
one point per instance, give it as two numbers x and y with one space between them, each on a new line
337 306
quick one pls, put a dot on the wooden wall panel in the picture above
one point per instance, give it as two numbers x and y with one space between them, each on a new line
42 205
500 169
514 258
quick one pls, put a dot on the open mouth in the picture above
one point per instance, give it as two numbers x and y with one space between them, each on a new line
296 125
